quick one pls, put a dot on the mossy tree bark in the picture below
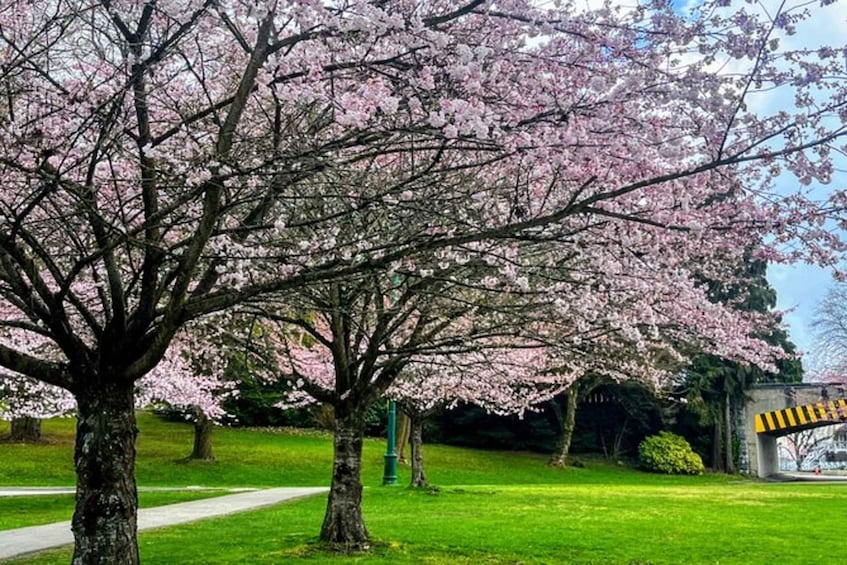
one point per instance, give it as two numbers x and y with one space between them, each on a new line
403 432
343 525
567 421
416 421
104 521
202 437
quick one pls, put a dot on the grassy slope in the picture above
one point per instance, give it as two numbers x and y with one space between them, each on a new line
248 458
492 508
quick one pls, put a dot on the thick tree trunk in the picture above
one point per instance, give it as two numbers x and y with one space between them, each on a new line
727 426
26 429
202 437
343 524
104 522
416 446
559 458
403 432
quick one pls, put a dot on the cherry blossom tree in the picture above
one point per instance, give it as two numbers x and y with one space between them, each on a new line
505 380
162 161
362 335
458 333
25 402
190 378
566 422
514 377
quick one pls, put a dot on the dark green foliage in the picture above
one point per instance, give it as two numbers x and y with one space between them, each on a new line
614 417
689 423
469 425
715 388
376 419
670 454
611 419
254 406
755 294
170 413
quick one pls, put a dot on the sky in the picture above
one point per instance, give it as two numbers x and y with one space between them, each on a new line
800 288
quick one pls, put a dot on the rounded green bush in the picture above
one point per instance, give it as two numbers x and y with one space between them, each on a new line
669 453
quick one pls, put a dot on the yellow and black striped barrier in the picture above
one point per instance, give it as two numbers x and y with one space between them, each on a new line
798 418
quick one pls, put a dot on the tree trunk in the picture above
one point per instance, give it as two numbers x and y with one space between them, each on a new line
343 524
717 457
559 458
105 520
403 431
727 426
202 437
416 446
26 429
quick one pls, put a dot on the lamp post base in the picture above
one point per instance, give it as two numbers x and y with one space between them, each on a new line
389 476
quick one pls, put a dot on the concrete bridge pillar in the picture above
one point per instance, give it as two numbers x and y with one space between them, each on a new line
759 455
768 456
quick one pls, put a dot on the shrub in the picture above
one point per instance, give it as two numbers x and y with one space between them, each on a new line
669 453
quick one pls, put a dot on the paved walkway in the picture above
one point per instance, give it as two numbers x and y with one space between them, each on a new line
36 538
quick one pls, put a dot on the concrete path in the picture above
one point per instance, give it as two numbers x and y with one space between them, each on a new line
36 538
35 491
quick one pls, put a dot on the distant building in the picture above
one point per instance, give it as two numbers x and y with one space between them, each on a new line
825 448
837 448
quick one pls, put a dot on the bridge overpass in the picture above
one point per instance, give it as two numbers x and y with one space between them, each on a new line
775 410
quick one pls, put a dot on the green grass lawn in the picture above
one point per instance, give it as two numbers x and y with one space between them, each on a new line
247 459
20 511
492 507
252 458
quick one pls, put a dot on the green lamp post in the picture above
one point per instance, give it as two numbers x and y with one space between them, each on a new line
389 476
